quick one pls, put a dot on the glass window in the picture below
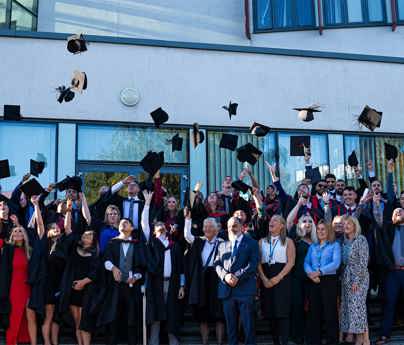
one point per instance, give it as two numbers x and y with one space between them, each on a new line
364 149
292 169
333 12
381 163
336 155
223 162
19 14
354 10
107 143
285 13
376 11
400 9
38 142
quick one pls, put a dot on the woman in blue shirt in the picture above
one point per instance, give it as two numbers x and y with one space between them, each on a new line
109 228
321 264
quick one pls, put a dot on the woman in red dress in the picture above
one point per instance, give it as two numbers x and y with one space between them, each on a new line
14 288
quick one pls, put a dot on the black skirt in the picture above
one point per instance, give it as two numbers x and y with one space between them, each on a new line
56 267
211 310
276 301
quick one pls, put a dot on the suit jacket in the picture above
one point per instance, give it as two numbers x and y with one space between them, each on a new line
243 265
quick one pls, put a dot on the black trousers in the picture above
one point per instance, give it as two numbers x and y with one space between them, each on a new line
323 310
280 330
117 329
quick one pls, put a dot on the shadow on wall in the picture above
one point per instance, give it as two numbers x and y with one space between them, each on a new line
190 20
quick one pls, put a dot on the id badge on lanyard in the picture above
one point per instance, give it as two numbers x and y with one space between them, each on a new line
271 259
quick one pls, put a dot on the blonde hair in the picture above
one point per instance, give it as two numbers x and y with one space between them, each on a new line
27 248
355 222
300 233
111 208
329 229
283 233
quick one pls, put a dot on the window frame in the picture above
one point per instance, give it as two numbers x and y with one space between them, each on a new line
34 14
365 15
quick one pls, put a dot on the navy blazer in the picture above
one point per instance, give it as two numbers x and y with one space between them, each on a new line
243 265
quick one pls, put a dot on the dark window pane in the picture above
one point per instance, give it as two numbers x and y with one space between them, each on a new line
305 12
282 13
264 14
375 8
333 12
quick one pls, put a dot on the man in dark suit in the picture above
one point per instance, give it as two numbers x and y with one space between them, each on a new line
236 265
131 207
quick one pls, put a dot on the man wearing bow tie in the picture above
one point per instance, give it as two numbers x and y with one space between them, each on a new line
131 207
236 265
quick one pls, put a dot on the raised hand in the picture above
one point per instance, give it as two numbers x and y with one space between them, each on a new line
147 197
326 198
187 213
35 200
272 171
128 179
390 166
69 205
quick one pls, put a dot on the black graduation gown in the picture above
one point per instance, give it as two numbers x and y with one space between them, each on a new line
197 284
6 264
104 303
173 311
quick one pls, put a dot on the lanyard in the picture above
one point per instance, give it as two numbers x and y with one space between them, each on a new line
272 250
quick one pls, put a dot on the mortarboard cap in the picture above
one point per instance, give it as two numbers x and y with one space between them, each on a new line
159 116
152 162
297 145
65 94
68 182
36 168
4 168
241 186
12 112
390 151
231 109
228 141
197 136
79 81
307 114
353 159
31 187
259 130
370 118
76 44
176 143
248 153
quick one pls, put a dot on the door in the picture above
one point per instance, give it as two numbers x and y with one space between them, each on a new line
174 179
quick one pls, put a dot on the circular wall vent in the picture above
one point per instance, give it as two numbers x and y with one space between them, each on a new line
130 97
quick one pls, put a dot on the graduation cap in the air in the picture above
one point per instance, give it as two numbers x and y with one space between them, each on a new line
228 141
159 117
241 186
68 182
152 162
298 143
176 143
353 159
4 168
390 151
76 44
231 109
306 114
197 136
65 94
248 153
12 112
36 168
370 118
259 130
31 187
79 81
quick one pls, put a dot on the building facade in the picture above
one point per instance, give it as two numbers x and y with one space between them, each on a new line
191 58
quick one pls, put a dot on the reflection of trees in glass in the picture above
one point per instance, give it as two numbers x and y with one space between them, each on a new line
93 181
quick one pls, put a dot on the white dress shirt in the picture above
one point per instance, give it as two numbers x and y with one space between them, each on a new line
167 256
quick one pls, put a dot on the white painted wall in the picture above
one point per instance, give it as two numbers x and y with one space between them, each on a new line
192 85
210 21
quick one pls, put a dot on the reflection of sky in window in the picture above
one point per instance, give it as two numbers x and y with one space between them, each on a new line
355 10
21 142
127 144
292 168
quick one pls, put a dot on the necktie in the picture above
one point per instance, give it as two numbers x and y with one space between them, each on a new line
233 253
132 203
